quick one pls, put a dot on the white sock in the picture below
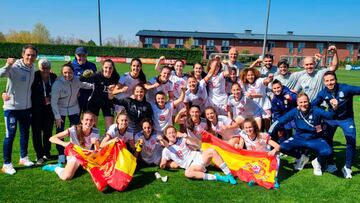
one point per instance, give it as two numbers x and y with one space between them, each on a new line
208 176
59 171
225 168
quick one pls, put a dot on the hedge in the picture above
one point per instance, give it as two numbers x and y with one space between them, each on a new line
192 56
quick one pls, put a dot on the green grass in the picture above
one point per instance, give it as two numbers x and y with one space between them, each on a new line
35 185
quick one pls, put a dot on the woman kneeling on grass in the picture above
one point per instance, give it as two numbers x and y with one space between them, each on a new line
83 135
194 162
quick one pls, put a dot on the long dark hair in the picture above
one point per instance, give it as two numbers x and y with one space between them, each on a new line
79 132
253 124
142 76
114 74
208 123
189 122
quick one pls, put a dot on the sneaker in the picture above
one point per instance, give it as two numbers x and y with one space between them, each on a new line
301 162
331 168
231 179
251 183
317 167
50 167
40 161
276 184
61 159
347 172
26 161
8 169
221 178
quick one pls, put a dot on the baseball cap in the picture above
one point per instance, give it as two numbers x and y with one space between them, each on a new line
81 50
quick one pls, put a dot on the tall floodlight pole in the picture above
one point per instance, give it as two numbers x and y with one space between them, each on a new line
100 42
266 28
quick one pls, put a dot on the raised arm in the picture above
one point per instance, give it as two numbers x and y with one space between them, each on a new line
181 97
4 71
158 63
335 61
256 63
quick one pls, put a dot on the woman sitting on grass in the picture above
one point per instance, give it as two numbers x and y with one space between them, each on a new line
83 135
194 162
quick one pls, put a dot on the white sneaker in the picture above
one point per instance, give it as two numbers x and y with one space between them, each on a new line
8 169
26 161
61 159
347 172
317 167
331 168
301 162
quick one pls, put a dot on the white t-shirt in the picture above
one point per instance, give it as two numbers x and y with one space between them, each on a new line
259 144
113 132
196 133
162 117
73 137
151 149
225 134
130 82
180 153
178 82
217 93
200 98
258 87
167 87
245 107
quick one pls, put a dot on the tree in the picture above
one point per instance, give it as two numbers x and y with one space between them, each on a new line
40 34
20 37
2 37
91 43
189 43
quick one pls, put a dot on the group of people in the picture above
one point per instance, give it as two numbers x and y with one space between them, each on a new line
265 108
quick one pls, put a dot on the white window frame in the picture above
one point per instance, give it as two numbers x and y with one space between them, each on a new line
320 46
350 47
301 46
290 46
164 42
210 43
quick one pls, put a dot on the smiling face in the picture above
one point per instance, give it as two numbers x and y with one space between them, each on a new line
192 84
160 100
164 75
249 129
170 134
277 88
283 69
198 69
330 81
122 122
29 57
309 65
139 93
147 129
194 114
236 91
303 103
268 62
87 121
210 115
179 66
250 77
232 75
67 72
81 58
233 54
107 69
135 68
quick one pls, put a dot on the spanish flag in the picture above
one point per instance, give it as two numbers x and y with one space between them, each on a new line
112 165
246 165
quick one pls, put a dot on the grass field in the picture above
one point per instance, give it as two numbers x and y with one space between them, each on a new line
35 185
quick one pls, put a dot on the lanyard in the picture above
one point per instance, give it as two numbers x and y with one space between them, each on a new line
44 86
306 121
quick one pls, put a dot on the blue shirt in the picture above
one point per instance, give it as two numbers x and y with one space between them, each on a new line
344 95
79 69
278 104
306 124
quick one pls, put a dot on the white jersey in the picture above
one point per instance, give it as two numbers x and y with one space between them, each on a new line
113 132
245 107
178 82
130 82
162 117
198 128
167 87
180 153
217 93
258 87
223 121
259 144
151 149
228 85
89 140
200 98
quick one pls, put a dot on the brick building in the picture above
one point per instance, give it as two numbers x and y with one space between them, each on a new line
280 45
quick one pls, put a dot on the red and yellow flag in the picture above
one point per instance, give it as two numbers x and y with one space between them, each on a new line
246 165
112 165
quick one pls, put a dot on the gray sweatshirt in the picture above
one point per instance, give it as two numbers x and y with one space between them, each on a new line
18 86
64 96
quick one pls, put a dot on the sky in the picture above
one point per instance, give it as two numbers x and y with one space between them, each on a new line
79 18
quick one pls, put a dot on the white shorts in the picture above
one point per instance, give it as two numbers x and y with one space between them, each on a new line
71 159
197 160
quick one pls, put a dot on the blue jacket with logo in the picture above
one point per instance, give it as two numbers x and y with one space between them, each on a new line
344 95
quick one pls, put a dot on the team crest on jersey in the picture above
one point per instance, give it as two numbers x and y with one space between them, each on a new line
310 117
341 94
